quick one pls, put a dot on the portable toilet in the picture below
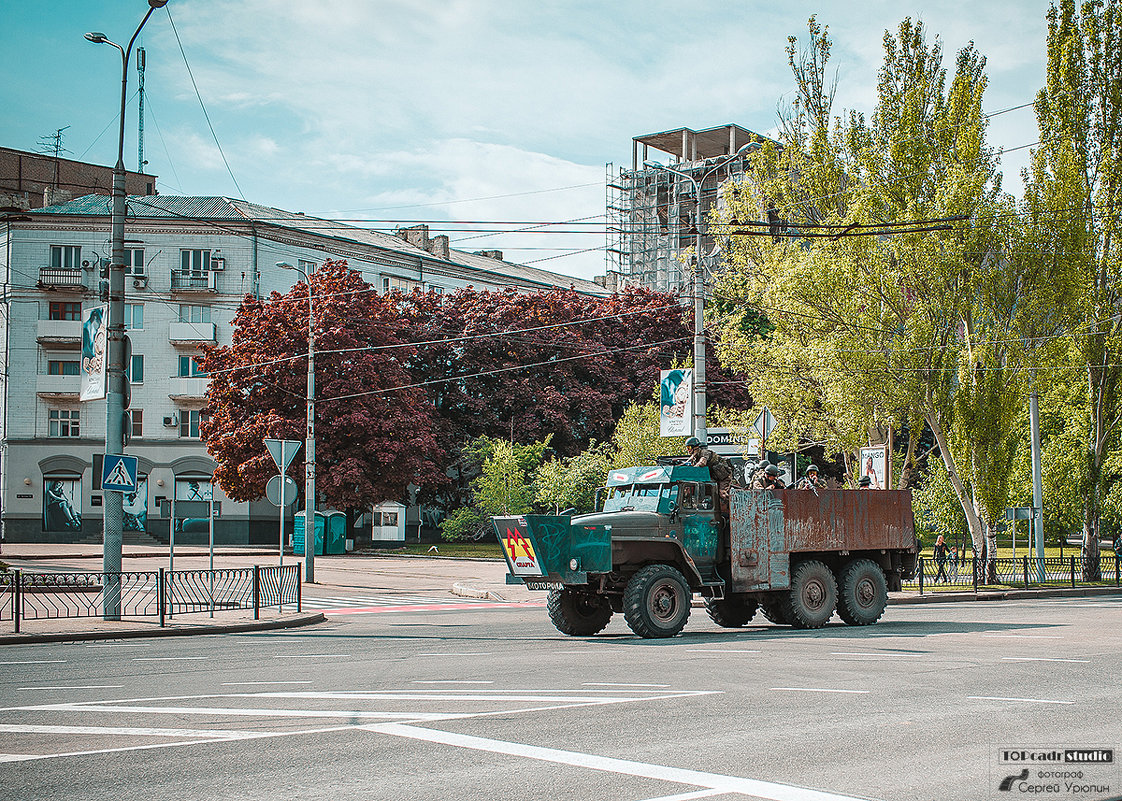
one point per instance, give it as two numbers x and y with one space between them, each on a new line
298 534
335 538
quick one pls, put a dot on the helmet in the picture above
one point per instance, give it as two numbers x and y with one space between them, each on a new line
693 442
811 469
865 481
772 470
762 465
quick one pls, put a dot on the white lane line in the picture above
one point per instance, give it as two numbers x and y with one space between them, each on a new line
687 796
1026 636
449 681
122 731
310 656
169 658
709 781
249 712
240 683
721 651
37 662
613 684
1023 700
460 653
1043 659
879 655
79 687
817 690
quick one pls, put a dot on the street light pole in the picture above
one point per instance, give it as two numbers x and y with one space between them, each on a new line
113 507
698 291
310 440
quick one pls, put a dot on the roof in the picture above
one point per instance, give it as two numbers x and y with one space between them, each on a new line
722 140
656 474
203 209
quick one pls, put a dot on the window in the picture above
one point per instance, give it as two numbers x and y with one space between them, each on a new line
66 257
436 290
194 314
391 283
308 267
189 367
135 373
137 416
62 367
195 262
134 316
189 421
61 310
134 261
63 423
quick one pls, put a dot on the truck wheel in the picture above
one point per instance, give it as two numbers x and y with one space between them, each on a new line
656 601
578 614
862 592
810 602
774 612
730 613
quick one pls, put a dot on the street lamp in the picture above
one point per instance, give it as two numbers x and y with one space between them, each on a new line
310 439
699 399
113 511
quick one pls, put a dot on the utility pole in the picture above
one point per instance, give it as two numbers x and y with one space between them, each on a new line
140 162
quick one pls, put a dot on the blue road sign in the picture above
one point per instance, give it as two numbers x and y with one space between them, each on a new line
118 473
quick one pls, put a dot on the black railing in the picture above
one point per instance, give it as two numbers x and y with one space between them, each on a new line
1021 571
161 594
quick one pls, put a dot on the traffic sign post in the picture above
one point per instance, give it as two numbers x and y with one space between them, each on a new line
118 473
283 451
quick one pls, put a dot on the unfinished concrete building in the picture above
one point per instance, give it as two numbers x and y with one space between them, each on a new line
651 211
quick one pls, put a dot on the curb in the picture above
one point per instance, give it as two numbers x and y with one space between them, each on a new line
467 591
39 557
1004 595
128 634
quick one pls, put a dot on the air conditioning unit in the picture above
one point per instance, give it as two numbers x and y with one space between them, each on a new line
171 420
217 263
140 282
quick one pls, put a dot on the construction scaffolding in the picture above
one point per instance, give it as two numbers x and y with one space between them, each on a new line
652 211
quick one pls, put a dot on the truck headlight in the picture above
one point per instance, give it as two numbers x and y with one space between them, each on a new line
574 564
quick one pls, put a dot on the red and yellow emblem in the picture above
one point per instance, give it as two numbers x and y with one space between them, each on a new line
520 551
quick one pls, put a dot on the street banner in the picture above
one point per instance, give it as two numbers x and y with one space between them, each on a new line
676 407
94 356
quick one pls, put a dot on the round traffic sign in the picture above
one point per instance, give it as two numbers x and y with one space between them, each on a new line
273 491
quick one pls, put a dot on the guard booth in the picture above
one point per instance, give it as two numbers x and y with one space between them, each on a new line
331 534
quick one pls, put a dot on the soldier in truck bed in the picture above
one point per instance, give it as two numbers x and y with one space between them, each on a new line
719 470
769 480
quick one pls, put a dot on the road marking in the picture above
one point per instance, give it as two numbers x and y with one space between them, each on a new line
709 781
309 656
611 684
119 645
1025 700
1027 636
460 653
862 653
688 796
720 651
36 662
218 734
450 681
81 687
237 683
817 690
169 658
444 607
247 712
1043 659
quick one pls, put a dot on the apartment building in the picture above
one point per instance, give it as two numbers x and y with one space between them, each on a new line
189 262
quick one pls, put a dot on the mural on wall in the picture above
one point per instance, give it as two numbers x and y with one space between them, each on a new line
62 503
136 506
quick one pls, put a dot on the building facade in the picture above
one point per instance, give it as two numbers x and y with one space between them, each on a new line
189 263
33 180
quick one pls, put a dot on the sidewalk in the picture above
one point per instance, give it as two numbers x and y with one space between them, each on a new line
335 575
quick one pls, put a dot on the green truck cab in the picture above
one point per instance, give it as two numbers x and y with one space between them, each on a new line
657 539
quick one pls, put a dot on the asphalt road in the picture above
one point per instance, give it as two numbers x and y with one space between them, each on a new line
490 702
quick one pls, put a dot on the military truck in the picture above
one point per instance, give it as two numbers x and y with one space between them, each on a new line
797 556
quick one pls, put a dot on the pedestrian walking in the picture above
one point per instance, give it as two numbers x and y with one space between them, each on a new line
941 558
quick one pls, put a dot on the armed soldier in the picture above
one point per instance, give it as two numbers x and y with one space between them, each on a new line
719 470
769 480
811 480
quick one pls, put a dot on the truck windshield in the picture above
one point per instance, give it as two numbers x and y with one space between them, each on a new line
644 497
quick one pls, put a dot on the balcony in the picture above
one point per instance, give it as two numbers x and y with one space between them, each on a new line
188 281
58 387
188 389
61 278
192 334
61 334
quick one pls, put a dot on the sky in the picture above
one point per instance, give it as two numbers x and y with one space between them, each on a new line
469 115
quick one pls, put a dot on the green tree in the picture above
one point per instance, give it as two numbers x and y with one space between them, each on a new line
504 485
571 483
1072 193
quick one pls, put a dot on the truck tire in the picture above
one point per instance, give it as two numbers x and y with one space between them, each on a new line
730 613
578 614
862 592
810 602
656 601
773 611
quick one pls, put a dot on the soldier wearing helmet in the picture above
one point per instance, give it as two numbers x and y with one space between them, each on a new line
719 470
769 479
811 479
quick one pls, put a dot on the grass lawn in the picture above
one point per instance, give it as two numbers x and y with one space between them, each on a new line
478 550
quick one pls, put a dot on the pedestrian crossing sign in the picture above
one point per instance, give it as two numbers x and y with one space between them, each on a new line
118 473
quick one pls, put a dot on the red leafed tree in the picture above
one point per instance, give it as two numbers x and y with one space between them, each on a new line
374 435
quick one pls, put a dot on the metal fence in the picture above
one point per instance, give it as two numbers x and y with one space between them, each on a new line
160 593
1023 572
